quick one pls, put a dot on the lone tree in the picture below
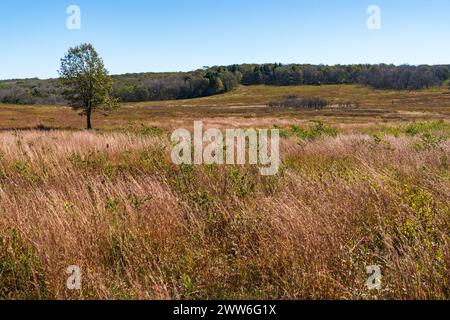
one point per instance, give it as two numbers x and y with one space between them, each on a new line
88 86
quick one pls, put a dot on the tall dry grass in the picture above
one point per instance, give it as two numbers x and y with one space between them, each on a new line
140 227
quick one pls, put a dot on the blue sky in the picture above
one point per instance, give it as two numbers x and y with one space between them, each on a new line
181 35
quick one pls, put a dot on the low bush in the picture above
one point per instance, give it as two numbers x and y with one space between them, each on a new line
296 102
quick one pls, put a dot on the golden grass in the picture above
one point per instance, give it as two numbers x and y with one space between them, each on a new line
142 228
245 107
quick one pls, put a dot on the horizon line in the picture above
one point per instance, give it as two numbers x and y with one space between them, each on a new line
240 64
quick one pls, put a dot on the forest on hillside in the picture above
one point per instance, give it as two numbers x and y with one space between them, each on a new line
220 79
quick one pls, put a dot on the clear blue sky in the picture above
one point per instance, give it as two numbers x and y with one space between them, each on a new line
181 35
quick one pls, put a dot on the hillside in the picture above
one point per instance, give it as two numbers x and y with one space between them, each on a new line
221 79
246 106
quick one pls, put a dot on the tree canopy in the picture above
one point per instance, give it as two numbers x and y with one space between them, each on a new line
87 85
220 79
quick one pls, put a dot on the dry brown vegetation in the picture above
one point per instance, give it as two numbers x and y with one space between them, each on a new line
246 107
140 227
368 186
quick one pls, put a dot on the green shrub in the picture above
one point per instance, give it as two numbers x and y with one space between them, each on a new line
20 269
313 132
428 142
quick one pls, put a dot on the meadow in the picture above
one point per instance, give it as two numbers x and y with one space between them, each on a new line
360 186
245 107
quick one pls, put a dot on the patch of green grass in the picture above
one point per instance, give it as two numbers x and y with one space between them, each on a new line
428 141
412 129
151 131
313 132
20 269
24 169
416 128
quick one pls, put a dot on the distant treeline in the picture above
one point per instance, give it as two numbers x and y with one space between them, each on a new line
216 80
382 76
170 86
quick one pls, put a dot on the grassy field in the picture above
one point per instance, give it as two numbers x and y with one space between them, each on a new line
367 186
246 107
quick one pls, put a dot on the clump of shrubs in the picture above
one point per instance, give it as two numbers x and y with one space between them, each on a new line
347 105
312 132
293 101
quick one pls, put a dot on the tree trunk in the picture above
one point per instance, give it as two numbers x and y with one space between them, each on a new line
88 119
